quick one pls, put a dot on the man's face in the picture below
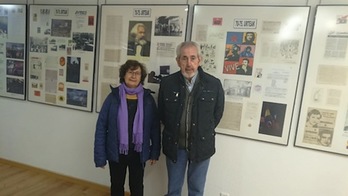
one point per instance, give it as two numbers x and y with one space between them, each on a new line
245 63
325 139
140 33
188 61
314 119
249 36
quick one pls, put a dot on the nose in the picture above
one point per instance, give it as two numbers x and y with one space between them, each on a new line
133 74
189 62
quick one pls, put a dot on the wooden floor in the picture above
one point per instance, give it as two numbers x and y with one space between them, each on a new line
19 180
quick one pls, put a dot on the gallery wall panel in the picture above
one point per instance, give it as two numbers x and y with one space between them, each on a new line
164 27
323 120
62 55
13 50
257 57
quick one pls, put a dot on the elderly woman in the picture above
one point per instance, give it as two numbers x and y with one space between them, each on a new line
128 130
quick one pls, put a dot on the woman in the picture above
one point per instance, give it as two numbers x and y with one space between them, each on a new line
128 130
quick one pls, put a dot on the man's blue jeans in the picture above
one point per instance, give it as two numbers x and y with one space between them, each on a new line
196 175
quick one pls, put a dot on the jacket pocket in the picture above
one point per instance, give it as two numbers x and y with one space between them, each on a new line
171 102
207 100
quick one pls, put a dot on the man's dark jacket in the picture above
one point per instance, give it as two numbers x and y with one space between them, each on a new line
145 49
207 110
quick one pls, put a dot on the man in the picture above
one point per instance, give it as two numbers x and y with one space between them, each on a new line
249 38
191 104
244 68
325 137
232 52
313 118
312 126
247 52
137 44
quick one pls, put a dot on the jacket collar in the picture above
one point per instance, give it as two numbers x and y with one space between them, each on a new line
114 90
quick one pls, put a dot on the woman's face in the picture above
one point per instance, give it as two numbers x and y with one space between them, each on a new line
132 78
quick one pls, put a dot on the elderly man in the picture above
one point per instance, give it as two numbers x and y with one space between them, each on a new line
137 44
191 104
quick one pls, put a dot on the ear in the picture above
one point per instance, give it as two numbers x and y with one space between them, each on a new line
199 59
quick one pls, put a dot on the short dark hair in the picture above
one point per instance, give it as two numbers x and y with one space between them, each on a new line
251 33
313 112
132 65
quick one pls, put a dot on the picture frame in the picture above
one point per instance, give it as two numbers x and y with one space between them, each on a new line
164 27
13 46
257 58
62 55
323 119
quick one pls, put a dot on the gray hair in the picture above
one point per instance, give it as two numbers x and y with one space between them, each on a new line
134 30
188 44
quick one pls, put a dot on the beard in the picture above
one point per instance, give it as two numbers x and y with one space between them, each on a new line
141 41
188 74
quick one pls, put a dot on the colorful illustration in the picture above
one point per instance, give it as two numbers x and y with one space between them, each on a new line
239 53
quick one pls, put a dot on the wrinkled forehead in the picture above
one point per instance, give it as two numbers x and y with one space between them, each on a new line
141 29
189 51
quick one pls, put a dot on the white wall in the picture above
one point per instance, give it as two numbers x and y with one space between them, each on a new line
61 140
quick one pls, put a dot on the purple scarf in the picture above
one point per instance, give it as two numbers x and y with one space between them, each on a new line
122 119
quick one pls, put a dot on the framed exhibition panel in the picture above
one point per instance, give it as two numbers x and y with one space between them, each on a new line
257 57
12 50
147 33
323 119
62 55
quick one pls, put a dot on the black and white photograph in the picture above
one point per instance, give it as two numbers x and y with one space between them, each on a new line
61 28
15 50
3 26
15 68
168 26
73 69
15 85
139 39
39 45
237 88
83 41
